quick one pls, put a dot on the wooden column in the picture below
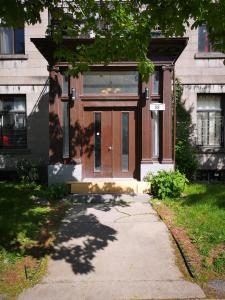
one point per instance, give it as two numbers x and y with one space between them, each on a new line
55 126
146 156
167 156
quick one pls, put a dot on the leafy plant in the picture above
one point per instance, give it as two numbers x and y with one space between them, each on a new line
56 191
219 263
31 171
186 158
167 184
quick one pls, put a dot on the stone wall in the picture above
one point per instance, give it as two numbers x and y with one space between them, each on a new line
201 73
27 75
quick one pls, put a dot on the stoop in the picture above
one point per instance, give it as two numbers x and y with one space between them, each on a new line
109 186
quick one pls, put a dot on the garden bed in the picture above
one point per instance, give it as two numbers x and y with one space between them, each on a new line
197 221
29 216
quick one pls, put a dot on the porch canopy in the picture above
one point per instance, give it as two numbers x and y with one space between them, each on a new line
161 50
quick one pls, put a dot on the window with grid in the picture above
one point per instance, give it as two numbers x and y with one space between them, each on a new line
210 120
13 131
12 40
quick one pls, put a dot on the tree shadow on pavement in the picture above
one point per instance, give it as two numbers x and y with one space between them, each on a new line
82 235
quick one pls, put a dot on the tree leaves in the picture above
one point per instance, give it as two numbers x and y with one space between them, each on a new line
122 29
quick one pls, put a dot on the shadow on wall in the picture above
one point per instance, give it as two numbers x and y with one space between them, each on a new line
37 136
80 145
38 132
80 140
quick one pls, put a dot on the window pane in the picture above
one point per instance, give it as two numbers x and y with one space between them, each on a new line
12 104
65 85
19 41
155 83
203 41
155 116
97 120
109 82
19 104
214 128
209 120
6 40
13 132
209 102
125 141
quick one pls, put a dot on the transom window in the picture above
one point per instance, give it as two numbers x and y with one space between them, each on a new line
210 129
13 132
11 40
110 82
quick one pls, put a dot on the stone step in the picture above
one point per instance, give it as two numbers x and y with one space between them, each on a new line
113 187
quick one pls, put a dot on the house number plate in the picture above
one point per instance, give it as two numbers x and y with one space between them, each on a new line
157 106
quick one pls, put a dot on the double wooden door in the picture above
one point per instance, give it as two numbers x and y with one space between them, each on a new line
109 149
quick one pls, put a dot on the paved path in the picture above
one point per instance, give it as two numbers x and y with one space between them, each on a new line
116 248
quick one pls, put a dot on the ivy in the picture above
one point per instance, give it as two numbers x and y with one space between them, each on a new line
186 157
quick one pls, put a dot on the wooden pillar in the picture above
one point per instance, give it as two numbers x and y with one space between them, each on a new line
146 157
55 128
167 155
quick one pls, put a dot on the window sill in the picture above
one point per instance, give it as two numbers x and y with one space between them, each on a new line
209 55
14 151
13 56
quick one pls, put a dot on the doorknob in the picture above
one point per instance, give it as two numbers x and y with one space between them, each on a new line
110 148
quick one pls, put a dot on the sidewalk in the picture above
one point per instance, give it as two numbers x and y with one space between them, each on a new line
116 248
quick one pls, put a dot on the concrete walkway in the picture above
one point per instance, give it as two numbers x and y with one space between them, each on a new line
114 247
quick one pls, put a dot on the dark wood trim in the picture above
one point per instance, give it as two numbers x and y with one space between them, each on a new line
101 97
146 156
110 104
167 117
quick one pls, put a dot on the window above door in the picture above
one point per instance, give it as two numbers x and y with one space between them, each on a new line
111 83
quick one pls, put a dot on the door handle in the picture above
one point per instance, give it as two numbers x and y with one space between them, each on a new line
110 148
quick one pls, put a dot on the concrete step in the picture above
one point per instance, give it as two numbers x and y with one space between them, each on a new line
110 187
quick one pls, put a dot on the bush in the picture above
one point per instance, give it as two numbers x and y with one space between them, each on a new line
56 191
186 156
167 184
31 171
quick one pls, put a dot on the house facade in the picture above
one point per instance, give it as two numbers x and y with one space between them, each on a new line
106 123
201 71
23 97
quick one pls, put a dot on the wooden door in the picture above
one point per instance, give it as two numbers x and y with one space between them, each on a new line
111 149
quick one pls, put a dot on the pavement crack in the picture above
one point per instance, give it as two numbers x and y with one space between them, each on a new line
122 212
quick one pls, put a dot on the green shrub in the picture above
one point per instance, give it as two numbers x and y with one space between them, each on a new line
32 171
186 155
167 184
56 191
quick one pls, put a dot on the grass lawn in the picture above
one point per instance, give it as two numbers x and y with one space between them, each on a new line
198 221
27 227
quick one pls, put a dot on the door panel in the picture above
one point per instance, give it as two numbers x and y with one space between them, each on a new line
123 145
112 144
98 161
